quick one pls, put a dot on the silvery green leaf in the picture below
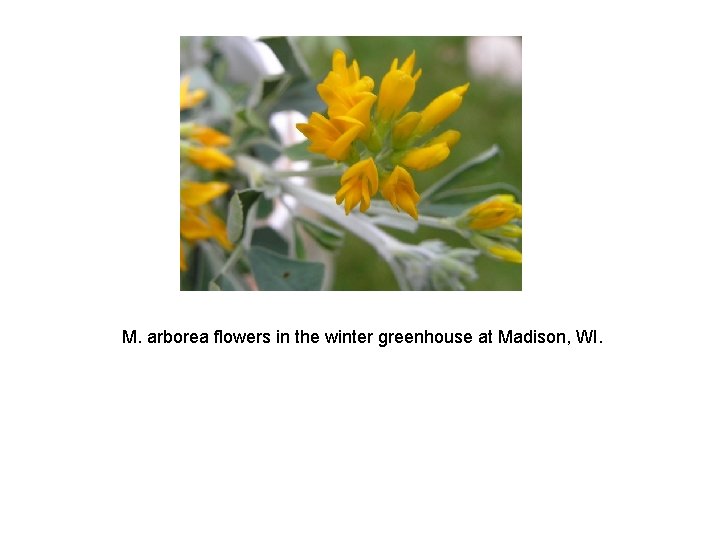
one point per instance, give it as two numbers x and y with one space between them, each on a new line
274 272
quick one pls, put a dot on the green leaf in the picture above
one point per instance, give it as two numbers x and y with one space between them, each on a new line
207 266
265 208
273 85
299 152
474 194
289 56
235 219
328 237
472 168
250 118
227 278
247 198
274 272
269 238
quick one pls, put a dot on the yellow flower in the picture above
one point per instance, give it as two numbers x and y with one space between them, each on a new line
195 194
510 230
346 93
496 249
197 220
189 99
357 185
440 108
345 78
494 212
426 157
449 137
208 136
331 137
506 253
201 223
399 190
405 127
397 87
359 111
207 157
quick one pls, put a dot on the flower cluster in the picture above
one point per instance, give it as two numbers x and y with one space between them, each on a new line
205 154
380 145
494 226
197 219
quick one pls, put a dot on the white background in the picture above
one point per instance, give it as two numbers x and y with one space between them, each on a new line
620 184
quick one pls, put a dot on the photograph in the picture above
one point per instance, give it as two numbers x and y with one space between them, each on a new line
350 163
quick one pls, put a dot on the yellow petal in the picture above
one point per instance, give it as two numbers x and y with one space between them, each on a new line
507 254
449 137
361 112
339 62
340 148
195 194
357 185
209 136
406 202
408 64
209 158
396 90
189 99
193 227
332 137
510 231
494 212
441 108
405 127
426 157
217 227
399 190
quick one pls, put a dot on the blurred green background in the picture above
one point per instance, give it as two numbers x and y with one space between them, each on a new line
491 113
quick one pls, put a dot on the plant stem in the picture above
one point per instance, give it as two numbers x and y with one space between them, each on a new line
385 245
326 170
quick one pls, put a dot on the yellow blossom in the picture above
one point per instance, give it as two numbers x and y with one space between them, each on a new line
440 108
189 99
426 157
510 230
405 127
331 137
449 137
208 136
196 194
360 111
202 223
399 190
346 78
397 87
357 185
197 220
506 253
499 250
348 94
493 213
208 158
